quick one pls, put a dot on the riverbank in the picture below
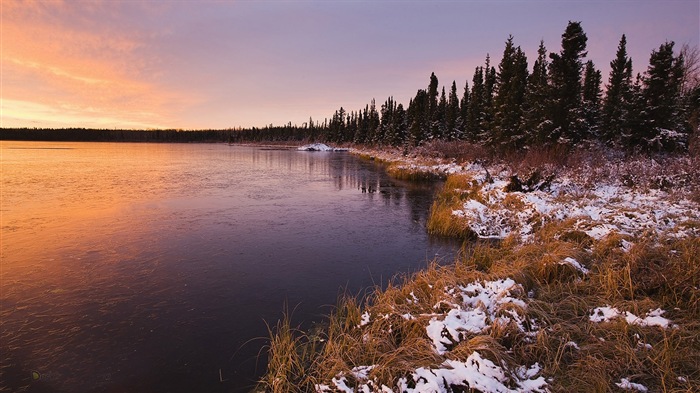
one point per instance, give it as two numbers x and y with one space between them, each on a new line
593 284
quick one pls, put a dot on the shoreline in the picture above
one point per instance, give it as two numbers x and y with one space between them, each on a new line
592 267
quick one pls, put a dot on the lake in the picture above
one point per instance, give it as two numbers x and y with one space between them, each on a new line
154 267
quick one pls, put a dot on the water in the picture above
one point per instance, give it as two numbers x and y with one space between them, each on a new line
153 267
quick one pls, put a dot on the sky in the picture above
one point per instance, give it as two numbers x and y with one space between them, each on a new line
192 64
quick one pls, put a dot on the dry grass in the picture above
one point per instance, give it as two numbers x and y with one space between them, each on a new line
647 277
575 354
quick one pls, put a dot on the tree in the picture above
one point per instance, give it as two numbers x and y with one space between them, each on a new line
433 106
475 116
592 94
452 114
489 90
462 122
418 119
536 122
618 98
565 75
664 124
510 96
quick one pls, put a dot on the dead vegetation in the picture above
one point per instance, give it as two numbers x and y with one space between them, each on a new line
371 344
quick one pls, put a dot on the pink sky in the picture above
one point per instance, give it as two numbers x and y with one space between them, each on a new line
220 64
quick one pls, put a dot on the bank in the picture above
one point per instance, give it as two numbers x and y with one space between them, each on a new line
578 273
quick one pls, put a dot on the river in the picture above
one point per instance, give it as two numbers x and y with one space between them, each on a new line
155 267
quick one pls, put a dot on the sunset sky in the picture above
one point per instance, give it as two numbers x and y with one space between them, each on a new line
220 64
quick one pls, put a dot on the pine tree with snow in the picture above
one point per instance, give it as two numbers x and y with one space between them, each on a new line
616 116
537 125
475 115
489 90
665 127
565 75
452 114
463 120
418 118
433 106
592 94
440 118
509 98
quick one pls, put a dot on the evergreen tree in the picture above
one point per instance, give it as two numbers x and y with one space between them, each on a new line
510 96
452 114
536 122
440 118
433 106
418 118
565 76
475 116
399 126
462 122
373 123
618 98
662 97
592 94
489 89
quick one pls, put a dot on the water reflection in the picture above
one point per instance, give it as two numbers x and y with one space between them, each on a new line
146 267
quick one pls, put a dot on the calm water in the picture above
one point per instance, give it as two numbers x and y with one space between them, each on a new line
153 267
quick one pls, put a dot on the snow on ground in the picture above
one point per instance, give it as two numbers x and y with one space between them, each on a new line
625 384
319 147
598 211
473 309
607 314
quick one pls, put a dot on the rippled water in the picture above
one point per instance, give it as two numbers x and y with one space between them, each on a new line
153 267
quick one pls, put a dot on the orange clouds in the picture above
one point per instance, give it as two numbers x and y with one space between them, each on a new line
79 64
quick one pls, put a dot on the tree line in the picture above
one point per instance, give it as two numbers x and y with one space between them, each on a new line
559 101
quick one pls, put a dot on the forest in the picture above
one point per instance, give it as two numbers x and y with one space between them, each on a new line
559 101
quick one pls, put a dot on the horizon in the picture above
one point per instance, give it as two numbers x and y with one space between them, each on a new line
228 65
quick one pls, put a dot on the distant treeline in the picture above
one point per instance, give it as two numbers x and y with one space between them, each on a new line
560 101
105 135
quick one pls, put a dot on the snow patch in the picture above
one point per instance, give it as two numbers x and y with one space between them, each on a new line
625 384
607 314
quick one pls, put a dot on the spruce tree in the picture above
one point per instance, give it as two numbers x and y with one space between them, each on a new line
452 114
489 90
616 114
537 125
509 98
462 122
592 94
439 120
662 97
433 106
565 75
475 116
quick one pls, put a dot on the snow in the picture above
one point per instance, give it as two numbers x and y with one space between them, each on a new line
625 384
575 264
319 147
607 314
599 209
476 372
480 308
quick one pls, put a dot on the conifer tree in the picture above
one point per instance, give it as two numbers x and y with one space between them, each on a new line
432 106
462 122
475 116
452 114
489 89
565 76
439 120
536 123
418 118
592 94
662 97
509 98
616 118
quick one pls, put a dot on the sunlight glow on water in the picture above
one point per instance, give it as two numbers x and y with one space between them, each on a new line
149 267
